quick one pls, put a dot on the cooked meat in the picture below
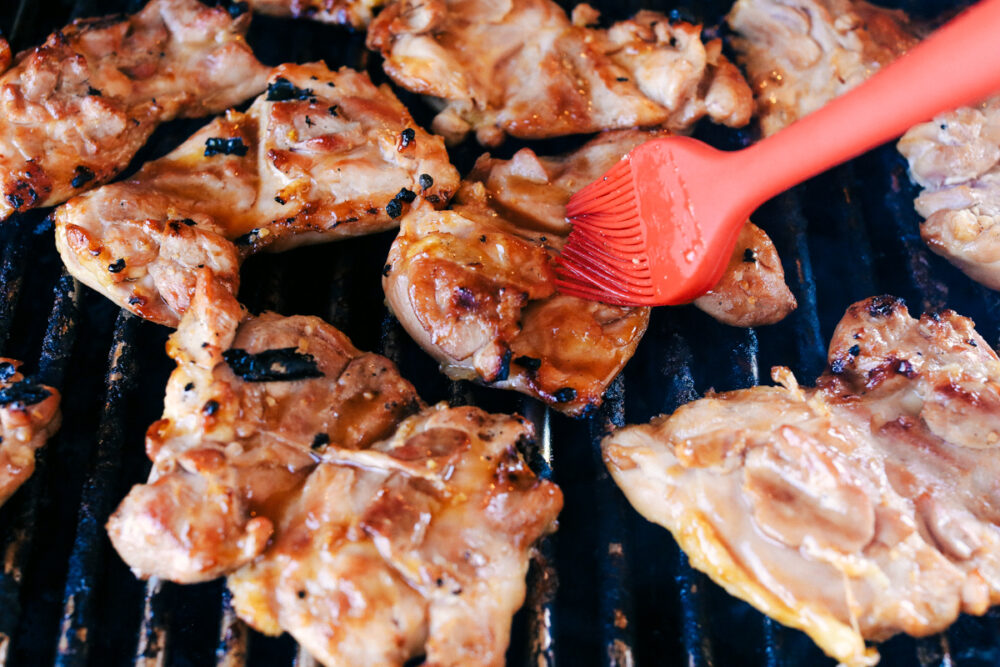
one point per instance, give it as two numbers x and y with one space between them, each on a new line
355 13
320 156
75 110
253 404
956 160
475 287
417 546
522 67
800 54
29 415
6 57
861 508
752 291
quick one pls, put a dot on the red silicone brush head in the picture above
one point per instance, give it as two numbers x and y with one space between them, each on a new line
651 230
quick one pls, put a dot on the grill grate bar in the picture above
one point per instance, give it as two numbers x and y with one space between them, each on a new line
811 348
696 640
233 635
151 648
12 266
615 590
18 537
98 497
543 579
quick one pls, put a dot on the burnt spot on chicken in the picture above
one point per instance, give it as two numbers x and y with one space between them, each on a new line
406 137
530 363
225 146
320 440
94 92
210 408
81 176
279 365
283 90
23 393
426 181
564 395
750 256
117 266
885 305
387 269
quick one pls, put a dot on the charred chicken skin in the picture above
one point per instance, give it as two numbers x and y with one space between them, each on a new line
474 285
354 13
524 68
249 411
800 54
29 415
416 546
320 156
955 158
74 111
864 507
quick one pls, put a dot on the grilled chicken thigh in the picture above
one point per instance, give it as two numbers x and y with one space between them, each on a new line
955 158
800 54
416 546
249 411
522 67
355 13
29 415
475 287
861 508
75 110
320 156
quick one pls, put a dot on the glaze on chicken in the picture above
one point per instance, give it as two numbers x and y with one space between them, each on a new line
320 156
853 511
418 546
29 415
74 111
800 54
249 411
524 68
354 13
474 285
955 158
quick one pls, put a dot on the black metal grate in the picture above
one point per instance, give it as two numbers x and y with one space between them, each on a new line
608 589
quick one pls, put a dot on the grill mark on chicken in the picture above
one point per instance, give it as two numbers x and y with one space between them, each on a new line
955 158
355 13
474 285
416 546
800 54
855 510
228 449
285 173
29 415
75 110
522 67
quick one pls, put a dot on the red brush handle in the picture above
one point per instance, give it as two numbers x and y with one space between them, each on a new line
957 65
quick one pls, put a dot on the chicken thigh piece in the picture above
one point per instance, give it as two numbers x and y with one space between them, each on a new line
855 510
74 111
320 156
248 412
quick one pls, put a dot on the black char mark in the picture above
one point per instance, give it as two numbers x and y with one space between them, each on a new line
23 393
279 365
221 146
283 90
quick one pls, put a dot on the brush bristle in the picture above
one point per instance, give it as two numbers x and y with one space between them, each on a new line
603 258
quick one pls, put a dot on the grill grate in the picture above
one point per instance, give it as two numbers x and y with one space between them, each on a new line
607 589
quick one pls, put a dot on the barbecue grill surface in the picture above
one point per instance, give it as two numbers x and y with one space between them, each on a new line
608 588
